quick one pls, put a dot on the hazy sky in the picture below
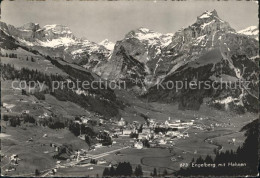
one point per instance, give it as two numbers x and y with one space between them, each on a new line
98 20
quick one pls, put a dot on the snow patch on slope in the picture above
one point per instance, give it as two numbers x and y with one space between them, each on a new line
65 41
199 39
237 101
58 29
28 43
252 31
107 44
206 24
206 14
152 37
78 51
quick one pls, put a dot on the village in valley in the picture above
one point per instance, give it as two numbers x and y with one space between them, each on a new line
44 136
107 140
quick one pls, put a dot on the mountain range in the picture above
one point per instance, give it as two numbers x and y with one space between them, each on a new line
207 50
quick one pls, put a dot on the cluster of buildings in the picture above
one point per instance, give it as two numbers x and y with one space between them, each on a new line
152 133
156 133
87 120
8 107
13 162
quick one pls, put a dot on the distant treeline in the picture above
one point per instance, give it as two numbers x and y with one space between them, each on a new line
51 122
122 169
125 169
91 137
16 121
10 55
57 122
13 55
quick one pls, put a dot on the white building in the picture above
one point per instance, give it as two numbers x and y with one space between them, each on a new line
45 114
121 122
25 111
102 161
142 136
138 145
84 119
126 132
147 131
101 121
162 142
173 133
187 123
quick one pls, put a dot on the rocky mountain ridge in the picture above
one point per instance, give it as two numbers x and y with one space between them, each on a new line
145 58
210 50
58 41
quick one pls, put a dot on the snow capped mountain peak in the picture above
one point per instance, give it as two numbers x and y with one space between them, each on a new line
107 44
139 31
57 37
144 30
208 23
209 17
53 26
63 41
252 31
208 14
57 29
149 36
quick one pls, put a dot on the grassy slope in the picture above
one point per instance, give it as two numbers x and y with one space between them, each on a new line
41 64
32 153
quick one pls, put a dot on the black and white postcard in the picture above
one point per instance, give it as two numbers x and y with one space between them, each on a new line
129 88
